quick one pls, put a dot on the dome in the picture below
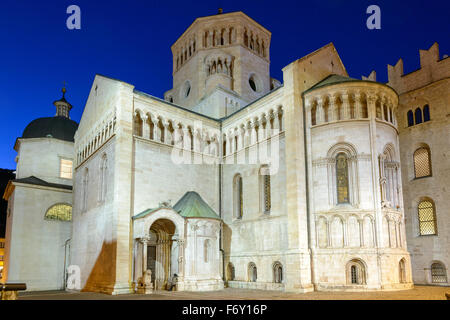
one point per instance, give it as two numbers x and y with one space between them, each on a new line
57 127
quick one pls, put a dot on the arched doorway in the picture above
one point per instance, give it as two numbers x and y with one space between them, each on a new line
162 252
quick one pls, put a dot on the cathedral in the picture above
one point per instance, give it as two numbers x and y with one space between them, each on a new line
236 179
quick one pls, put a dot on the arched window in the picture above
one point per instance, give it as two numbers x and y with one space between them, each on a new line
401 271
418 115
264 189
427 218
206 250
438 273
342 178
277 272
410 117
378 113
138 124
313 115
252 272
389 180
103 178
422 162
61 212
151 126
85 191
356 272
230 272
238 202
426 113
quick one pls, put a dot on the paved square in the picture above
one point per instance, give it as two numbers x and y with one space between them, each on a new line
417 293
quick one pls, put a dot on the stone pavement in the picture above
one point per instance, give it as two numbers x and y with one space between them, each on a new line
417 293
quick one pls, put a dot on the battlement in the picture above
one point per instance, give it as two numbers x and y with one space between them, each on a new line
432 69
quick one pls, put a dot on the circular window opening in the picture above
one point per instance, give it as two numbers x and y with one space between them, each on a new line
254 83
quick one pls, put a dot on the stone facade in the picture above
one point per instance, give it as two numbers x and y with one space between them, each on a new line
302 181
37 248
428 86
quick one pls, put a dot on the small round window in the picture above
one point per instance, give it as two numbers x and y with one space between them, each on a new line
254 83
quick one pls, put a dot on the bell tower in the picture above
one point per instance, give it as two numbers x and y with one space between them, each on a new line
62 105
229 51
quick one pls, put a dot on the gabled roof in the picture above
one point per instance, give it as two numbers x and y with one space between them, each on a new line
336 79
332 79
36 181
191 205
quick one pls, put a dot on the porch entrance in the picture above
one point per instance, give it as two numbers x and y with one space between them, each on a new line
162 253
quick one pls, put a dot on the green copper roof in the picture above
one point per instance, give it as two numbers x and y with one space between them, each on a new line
191 205
331 79
144 213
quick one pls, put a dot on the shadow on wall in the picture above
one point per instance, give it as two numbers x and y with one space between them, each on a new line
227 233
103 275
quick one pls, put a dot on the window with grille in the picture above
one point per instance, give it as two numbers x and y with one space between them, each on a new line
265 189
422 163
342 178
354 274
427 218
238 201
65 169
267 203
438 273
61 212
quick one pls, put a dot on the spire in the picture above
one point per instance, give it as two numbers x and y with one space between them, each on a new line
62 106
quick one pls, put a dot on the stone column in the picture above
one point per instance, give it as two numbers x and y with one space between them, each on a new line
361 232
229 143
345 106
260 130
144 241
209 39
371 99
333 110
358 106
253 133
276 123
167 134
186 138
382 103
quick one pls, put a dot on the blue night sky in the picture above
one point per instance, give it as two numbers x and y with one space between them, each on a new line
130 40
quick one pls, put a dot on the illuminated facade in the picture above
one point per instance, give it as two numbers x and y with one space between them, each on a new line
237 179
